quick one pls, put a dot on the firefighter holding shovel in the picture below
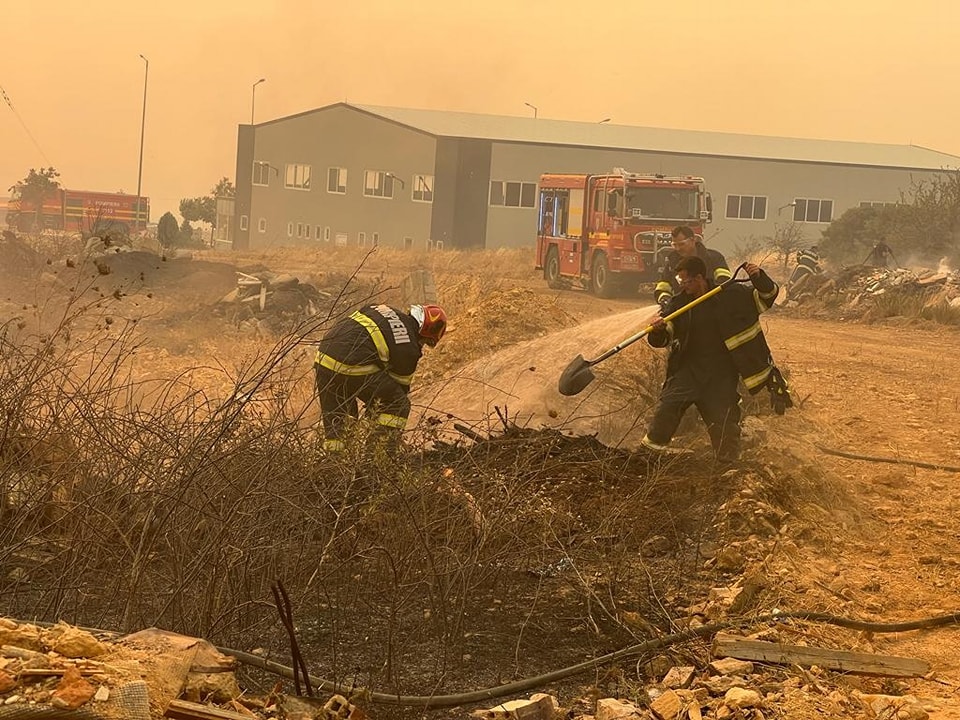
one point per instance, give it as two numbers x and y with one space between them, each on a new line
713 346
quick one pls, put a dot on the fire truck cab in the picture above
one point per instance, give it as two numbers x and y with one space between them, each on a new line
609 233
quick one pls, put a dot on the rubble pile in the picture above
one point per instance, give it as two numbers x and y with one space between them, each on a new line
149 674
857 289
277 302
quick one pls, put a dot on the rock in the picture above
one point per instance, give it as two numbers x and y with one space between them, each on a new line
7 683
679 677
668 706
72 691
730 559
720 685
21 636
611 709
539 707
102 694
731 666
72 642
901 707
218 687
738 697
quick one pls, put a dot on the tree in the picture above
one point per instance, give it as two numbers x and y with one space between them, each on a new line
167 230
224 188
923 227
36 187
204 208
200 209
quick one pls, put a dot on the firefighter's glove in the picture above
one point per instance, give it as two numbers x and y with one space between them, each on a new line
780 398
663 302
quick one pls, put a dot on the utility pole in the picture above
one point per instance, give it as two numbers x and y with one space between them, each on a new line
143 123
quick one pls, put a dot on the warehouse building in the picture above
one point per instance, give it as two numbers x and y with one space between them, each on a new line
349 174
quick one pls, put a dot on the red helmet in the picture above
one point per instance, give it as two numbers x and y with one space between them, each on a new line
433 322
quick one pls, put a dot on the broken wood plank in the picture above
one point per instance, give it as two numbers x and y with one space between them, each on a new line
183 710
859 663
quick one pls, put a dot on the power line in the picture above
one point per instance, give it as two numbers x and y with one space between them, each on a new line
6 99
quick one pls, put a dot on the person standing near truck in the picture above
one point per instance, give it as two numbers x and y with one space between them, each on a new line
687 244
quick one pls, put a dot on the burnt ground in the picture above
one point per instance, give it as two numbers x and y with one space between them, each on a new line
808 530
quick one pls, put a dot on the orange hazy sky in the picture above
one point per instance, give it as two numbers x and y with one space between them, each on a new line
873 71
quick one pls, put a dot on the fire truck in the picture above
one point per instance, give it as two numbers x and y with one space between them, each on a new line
78 211
609 233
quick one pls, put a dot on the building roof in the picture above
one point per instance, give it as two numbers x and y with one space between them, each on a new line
502 128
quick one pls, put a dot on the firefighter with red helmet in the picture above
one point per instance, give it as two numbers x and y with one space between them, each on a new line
371 357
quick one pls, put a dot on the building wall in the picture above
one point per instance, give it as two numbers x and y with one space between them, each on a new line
462 183
345 138
781 182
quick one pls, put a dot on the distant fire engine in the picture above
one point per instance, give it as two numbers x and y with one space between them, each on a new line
608 232
78 211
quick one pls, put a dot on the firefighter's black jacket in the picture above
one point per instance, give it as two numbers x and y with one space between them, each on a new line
376 338
725 327
667 287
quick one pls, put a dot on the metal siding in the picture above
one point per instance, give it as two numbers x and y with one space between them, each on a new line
245 149
473 183
632 138
341 137
781 182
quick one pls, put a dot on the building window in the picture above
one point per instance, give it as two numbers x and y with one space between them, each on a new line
297 177
244 222
326 234
317 232
299 229
746 207
261 173
423 188
289 229
813 211
513 194
262 225
375 240
877 204
362 239
377 183
337 180
407 243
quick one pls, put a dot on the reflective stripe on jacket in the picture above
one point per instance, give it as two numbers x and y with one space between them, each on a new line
375 338
738 310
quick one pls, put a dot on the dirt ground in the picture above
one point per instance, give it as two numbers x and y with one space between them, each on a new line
889 552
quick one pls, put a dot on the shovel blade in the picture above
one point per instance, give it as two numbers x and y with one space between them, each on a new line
575 377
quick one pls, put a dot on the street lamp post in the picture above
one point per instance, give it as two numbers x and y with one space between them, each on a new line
534 108
143 124
779 209
253 98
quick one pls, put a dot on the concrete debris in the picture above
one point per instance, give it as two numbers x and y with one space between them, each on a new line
857 289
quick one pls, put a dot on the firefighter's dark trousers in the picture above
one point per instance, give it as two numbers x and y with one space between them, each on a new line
338 401
717 401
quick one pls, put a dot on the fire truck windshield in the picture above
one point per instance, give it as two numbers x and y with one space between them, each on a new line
663 203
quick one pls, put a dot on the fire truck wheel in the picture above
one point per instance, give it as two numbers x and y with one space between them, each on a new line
601 281
551 269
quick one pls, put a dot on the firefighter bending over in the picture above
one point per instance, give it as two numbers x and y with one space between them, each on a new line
712 346
808 265
371 356
687 244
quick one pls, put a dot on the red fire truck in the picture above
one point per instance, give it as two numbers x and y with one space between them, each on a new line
78 211
608 232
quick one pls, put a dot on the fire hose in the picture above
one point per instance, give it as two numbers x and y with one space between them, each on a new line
518 686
